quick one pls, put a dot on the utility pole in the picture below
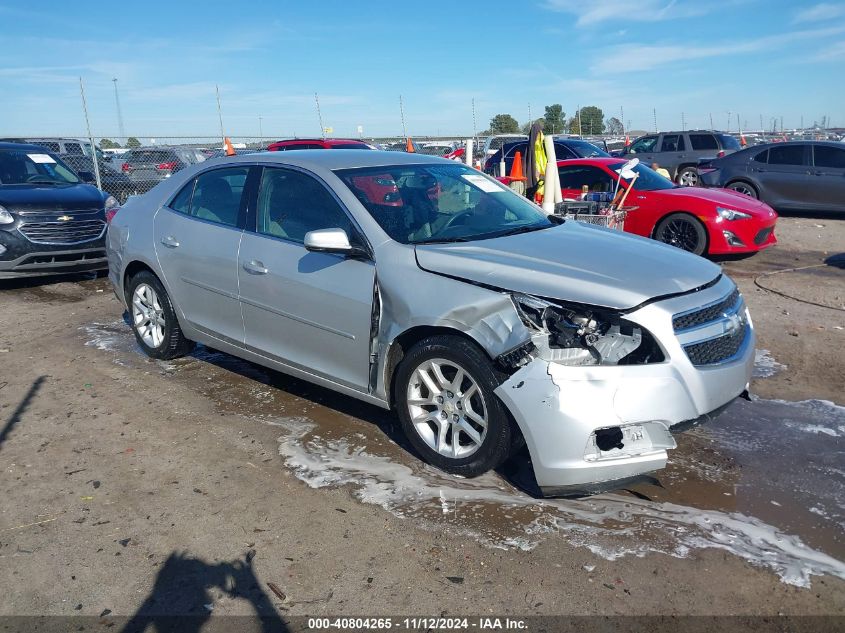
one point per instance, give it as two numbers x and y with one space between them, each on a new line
711 121
402 115
474 127
119 113
260 128
762 129
580 129
622 119
683 123
654 114
529 114
90 136
319 116
220 116
729 121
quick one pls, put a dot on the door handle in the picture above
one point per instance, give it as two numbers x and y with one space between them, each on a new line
640 197
170 242
255 268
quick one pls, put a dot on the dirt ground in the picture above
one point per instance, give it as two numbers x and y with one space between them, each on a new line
131 486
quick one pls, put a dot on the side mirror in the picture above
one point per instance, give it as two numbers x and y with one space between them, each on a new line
328 241
86 176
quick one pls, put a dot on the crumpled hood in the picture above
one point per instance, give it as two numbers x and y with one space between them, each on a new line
51 197
573 262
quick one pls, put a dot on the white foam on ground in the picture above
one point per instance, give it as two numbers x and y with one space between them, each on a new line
765 366
610 526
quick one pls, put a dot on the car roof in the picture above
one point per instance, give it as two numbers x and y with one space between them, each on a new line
309 159
599 160
26 146
329 141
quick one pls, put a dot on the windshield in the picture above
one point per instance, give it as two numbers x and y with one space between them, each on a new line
647 178
418 204
21 167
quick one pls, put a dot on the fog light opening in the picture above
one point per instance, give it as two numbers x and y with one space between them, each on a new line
608 439
732 239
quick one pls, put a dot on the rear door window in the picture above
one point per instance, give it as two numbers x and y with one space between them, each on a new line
762 157
672 143
182 201
74 148
831 157
703 141
576 176
729 142
217 195
786 155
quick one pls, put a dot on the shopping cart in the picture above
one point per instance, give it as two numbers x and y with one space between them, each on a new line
592 212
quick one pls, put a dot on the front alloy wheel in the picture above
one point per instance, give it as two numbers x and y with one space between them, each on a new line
447 408
683 231
444 394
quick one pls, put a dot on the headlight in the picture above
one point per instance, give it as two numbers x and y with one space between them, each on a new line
731 214
5 216
111 203
580 335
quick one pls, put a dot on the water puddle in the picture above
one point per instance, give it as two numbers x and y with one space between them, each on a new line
765 481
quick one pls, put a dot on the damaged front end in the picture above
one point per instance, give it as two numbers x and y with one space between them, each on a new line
565 392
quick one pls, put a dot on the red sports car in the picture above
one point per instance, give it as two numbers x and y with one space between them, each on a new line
711 221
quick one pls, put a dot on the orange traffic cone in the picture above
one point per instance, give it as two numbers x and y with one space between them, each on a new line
627 140
742 140
409 146
230 151
516 168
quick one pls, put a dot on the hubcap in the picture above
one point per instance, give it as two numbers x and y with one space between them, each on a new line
147 315
681 233
447 408
743 190
689 178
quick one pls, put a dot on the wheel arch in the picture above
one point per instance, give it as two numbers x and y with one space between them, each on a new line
410 337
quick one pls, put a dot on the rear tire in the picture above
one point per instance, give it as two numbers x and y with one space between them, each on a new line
153 318
443 390
744 188
688 177
684 231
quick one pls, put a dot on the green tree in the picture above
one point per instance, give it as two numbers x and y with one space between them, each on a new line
590 121
555 119
526 129
107 143
614 126
504 124
133 142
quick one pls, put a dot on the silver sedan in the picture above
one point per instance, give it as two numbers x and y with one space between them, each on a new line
421 285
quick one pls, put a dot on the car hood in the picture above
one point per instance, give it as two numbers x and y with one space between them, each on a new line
720 197
50 197
573 262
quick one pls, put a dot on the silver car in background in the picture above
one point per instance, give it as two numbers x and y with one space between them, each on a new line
418 284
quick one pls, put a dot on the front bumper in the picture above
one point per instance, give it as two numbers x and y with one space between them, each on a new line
21 258
560 408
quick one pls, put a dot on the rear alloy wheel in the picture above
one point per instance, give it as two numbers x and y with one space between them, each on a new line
444 395
683 231
688 177
744 188
154 320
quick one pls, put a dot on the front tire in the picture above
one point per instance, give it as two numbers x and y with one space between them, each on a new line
443 391
684 231
153 318
688 177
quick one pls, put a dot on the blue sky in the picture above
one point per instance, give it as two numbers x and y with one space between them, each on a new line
756 57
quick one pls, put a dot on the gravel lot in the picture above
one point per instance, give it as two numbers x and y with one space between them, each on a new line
137 486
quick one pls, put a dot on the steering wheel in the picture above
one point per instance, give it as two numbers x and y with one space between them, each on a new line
451 222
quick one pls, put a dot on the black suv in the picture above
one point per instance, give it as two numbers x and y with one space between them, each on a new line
50 220
679 152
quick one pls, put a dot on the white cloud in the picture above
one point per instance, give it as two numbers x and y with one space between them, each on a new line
636 57
819 12
598 11
832 53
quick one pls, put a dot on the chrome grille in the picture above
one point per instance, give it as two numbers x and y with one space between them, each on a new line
83 226
704 315
714 333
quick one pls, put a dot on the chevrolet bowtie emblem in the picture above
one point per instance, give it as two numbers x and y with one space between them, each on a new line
64 218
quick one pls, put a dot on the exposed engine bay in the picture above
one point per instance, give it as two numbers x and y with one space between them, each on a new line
578 335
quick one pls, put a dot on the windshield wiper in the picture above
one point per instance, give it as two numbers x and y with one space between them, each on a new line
442 240
523 229
46 181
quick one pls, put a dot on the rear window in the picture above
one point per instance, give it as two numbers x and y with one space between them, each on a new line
74 148
583 149
786 155
150 156
351 146
829 156
704 142
729 142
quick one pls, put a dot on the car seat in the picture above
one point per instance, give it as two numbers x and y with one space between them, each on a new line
216 202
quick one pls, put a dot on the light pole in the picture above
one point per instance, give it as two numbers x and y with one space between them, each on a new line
260 128
119 113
